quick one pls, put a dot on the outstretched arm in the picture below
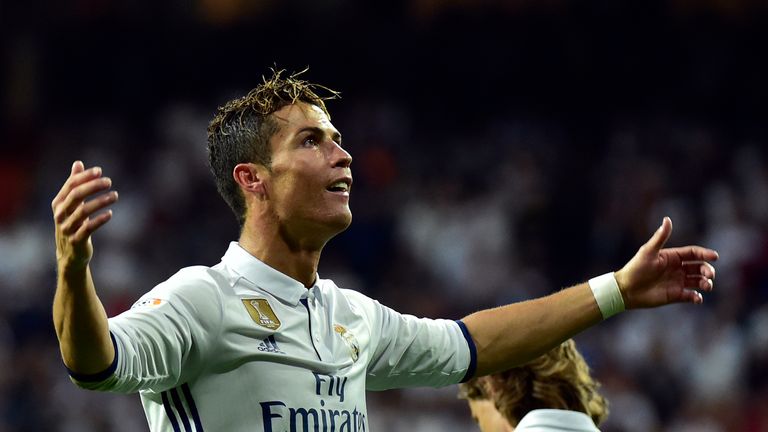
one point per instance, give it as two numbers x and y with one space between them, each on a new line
514 334
78 315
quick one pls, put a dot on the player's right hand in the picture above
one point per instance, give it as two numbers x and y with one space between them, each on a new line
75 218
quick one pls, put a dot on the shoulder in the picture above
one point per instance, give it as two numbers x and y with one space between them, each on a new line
330 289
197 285
195 277
352 300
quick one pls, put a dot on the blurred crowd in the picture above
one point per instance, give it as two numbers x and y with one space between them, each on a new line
470 190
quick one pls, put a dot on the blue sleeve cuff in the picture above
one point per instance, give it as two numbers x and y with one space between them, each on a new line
99 376
472 352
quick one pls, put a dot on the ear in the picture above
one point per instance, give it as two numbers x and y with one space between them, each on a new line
250 177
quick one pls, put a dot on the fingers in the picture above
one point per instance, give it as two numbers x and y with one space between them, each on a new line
694 253
691 296
660 237
91 225
79 186
77 175
687 253
85 211
74 216
77 167
698 282
699 275
699 268
78 195
698 279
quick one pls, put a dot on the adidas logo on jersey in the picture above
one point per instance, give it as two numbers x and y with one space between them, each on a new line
269 345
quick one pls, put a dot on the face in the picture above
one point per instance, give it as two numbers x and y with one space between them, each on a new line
488 417
309 180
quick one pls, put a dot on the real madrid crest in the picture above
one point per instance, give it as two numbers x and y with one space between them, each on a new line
262 313
349 339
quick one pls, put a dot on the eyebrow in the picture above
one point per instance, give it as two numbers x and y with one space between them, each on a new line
336 136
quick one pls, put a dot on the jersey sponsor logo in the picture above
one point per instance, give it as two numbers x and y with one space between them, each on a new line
270 345
277 416
349 339
319 417
261 313
149 302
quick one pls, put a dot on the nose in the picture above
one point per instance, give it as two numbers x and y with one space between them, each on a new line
341 157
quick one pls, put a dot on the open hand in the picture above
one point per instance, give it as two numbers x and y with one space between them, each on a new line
656 276
75 218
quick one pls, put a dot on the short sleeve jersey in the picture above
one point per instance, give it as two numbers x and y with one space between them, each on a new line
242 347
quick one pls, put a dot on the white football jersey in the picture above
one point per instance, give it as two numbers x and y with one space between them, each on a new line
556 420
242 347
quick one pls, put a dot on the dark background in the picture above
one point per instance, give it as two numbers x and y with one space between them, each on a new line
503 150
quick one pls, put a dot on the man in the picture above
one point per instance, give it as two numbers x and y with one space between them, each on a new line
258 342
554 392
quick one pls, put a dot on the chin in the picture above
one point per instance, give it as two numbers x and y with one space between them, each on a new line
343 222
340 222
328 225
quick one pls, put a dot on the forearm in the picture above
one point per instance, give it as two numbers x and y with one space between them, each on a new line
511 335
81 322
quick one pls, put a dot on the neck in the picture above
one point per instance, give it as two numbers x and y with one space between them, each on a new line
296 258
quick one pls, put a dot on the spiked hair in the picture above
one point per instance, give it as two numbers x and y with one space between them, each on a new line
241 130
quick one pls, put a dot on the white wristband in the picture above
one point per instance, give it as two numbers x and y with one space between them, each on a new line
607 294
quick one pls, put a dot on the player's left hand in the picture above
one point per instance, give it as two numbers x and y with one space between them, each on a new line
656 276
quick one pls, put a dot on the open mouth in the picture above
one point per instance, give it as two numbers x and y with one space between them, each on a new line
340 186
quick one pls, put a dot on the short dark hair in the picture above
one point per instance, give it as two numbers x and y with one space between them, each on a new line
241 129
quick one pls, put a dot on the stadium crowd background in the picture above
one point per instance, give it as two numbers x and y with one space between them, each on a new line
502 149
